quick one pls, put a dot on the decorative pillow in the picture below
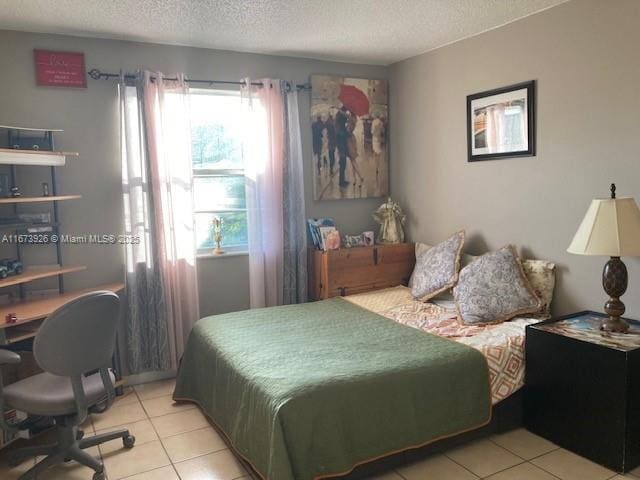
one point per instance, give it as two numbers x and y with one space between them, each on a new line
493 288
421 248
437 268
542 277
465 258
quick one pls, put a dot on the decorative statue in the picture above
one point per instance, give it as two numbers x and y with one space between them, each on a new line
217 235
391 219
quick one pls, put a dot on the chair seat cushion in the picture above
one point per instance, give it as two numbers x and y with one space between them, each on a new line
52 395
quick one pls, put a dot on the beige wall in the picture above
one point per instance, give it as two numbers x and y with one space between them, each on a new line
90 120
584 56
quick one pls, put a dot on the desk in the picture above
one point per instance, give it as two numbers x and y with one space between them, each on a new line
32 312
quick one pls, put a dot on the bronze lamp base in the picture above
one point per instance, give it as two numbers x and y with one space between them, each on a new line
614 281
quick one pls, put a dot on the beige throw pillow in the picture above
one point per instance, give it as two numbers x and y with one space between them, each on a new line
542 277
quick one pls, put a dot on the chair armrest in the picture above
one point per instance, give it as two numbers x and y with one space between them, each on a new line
7 357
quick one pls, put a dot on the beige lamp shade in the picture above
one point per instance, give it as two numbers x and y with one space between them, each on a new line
611 227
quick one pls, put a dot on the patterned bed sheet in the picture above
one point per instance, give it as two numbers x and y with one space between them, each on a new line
501 344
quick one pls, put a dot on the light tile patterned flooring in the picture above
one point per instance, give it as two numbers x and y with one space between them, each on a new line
176 442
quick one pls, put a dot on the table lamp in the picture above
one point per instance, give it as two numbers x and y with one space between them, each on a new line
611 227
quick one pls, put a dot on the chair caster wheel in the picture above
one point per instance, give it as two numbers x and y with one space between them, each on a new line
99 476
80 435
129 441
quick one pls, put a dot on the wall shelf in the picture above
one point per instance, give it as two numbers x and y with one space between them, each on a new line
36 273
26 225
51 198
48 158
30 307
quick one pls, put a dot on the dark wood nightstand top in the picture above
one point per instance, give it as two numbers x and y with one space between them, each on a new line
585 326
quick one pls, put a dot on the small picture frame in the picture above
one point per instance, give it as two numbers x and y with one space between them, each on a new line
326 235
501 123
313 229
351 241
369 238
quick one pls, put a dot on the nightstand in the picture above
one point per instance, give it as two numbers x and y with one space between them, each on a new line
583 388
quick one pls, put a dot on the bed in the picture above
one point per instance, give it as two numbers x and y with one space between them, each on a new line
312 391
501 344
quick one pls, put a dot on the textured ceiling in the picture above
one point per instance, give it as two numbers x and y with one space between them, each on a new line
359 31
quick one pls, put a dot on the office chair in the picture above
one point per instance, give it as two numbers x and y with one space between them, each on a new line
74 347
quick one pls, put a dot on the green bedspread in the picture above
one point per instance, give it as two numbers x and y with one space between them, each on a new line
308 391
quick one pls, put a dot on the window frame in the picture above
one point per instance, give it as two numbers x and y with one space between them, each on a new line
218 173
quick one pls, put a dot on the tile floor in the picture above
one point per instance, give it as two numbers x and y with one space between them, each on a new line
176 442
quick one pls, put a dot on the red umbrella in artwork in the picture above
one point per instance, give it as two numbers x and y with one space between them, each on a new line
354 99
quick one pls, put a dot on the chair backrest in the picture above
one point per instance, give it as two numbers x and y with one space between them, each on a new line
80 336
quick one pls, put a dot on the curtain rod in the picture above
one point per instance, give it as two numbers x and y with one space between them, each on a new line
97 75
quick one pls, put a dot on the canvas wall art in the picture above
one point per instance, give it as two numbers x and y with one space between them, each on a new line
349 127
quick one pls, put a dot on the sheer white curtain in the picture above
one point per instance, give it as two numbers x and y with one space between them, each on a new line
275 199
264 155
157 192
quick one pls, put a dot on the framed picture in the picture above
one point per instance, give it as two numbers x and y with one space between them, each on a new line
349 130
501 123
325 235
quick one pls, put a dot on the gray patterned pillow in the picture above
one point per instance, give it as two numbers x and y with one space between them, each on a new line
493 289
437 268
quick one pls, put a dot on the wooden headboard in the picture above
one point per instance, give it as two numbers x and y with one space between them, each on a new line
360 269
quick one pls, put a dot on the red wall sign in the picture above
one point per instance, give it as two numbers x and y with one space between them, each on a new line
60 69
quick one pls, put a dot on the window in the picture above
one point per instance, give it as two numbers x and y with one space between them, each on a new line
218 168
